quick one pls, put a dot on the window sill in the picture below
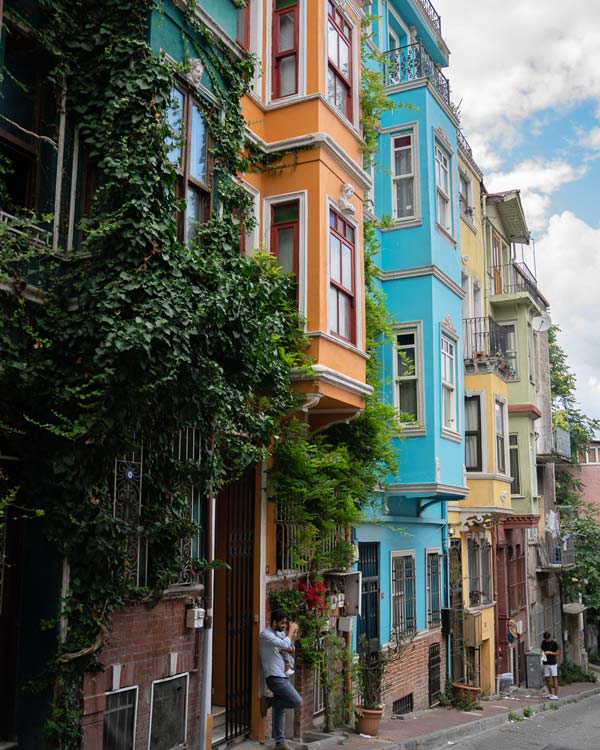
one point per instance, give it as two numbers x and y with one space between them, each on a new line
409 429
446 234
469 223
451 435
403 224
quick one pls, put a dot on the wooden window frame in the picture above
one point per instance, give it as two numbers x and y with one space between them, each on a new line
277 57
243 25
448 385
286 224
513 450
338 286
500 436
416 376
478 434
337 19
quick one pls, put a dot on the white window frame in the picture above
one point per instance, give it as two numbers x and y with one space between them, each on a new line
412 131
515 448
467 209
302 197
443 194
500 400
514 324
433 551
450 427
471 393
268 78
354 71
416 327
393 555
187 701
135 710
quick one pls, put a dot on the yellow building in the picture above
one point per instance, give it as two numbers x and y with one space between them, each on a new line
487 466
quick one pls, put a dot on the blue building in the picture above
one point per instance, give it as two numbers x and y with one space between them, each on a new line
415 197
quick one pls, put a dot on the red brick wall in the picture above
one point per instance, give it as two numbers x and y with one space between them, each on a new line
141 640
409 673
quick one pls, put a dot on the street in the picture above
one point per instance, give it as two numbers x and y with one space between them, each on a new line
575 726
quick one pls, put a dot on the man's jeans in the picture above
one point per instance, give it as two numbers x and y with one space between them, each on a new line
284 696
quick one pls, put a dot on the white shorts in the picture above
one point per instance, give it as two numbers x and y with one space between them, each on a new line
550 670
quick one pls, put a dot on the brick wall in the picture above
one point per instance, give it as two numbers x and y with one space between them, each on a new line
141 641
409 673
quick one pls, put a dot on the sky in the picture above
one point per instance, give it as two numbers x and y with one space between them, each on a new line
527 76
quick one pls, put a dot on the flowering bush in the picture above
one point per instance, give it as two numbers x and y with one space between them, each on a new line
314 595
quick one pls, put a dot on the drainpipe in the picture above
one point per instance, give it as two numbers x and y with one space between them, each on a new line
526 534
207 660
59 164
446 553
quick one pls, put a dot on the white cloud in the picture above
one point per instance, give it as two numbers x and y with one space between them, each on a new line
537 180
568 262
591 139
511 62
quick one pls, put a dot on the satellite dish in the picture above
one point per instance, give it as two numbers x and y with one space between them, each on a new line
541 323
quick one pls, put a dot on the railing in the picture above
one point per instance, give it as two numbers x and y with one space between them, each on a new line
463 143
554 552
412 62
35 234
483 337
432 15
480 590
516 277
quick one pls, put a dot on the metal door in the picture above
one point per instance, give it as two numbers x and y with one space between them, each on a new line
368 564
456 602
239 500
435 686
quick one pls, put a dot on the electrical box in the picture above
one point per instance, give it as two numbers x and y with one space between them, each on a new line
345 624
194 617
447 621
350 583
533 664
472 635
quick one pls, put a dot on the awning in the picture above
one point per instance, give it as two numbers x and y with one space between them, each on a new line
574 608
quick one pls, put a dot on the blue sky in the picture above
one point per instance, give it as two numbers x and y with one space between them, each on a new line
528 75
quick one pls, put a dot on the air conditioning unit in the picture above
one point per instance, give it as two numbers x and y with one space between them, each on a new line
472 633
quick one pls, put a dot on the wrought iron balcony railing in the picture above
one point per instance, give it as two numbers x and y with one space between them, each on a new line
516 277
554 552
483 337
412 62
432 15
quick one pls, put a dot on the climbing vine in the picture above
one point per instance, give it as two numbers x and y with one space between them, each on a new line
138 337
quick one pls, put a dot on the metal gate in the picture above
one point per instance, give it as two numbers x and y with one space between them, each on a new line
456 602
239 499
368 564
435 662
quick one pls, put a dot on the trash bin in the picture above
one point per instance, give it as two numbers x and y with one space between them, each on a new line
533 665
505 682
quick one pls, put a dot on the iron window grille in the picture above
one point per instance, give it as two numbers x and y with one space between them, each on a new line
404 705
120 720
404 616
434 599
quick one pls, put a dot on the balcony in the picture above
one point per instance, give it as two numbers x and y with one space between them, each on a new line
554 553
483 337
517 278
431 14
467 152
412 63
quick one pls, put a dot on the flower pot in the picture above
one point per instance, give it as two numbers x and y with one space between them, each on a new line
367 720
466 692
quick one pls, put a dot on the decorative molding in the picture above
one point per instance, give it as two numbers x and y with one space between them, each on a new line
345 202
338 342
427 488
448 325
196 70
530 409
431 270
442 136
333 377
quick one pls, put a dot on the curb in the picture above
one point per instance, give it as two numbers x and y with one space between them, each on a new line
433 739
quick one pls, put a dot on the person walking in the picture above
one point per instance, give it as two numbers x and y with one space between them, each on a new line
550 652
273 643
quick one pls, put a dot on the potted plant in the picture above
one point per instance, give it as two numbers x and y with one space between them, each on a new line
369 671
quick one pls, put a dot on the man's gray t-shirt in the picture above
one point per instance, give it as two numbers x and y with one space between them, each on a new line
269 648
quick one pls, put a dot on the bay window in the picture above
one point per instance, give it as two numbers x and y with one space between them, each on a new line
448 347
339 54
403 175
285 48
341 300
473 434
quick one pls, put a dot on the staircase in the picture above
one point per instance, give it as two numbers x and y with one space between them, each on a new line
218 727
8 745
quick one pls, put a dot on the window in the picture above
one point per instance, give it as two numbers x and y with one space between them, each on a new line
404 617
479 568
285 48
465 197
449 421
403 175
339 54
341 306
407 375
434 601
511 348
500 437
243 26
285 237
119 720
169 713
473 447
442 181
513 449
188 150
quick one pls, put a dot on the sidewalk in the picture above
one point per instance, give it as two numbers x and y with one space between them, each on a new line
443 726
